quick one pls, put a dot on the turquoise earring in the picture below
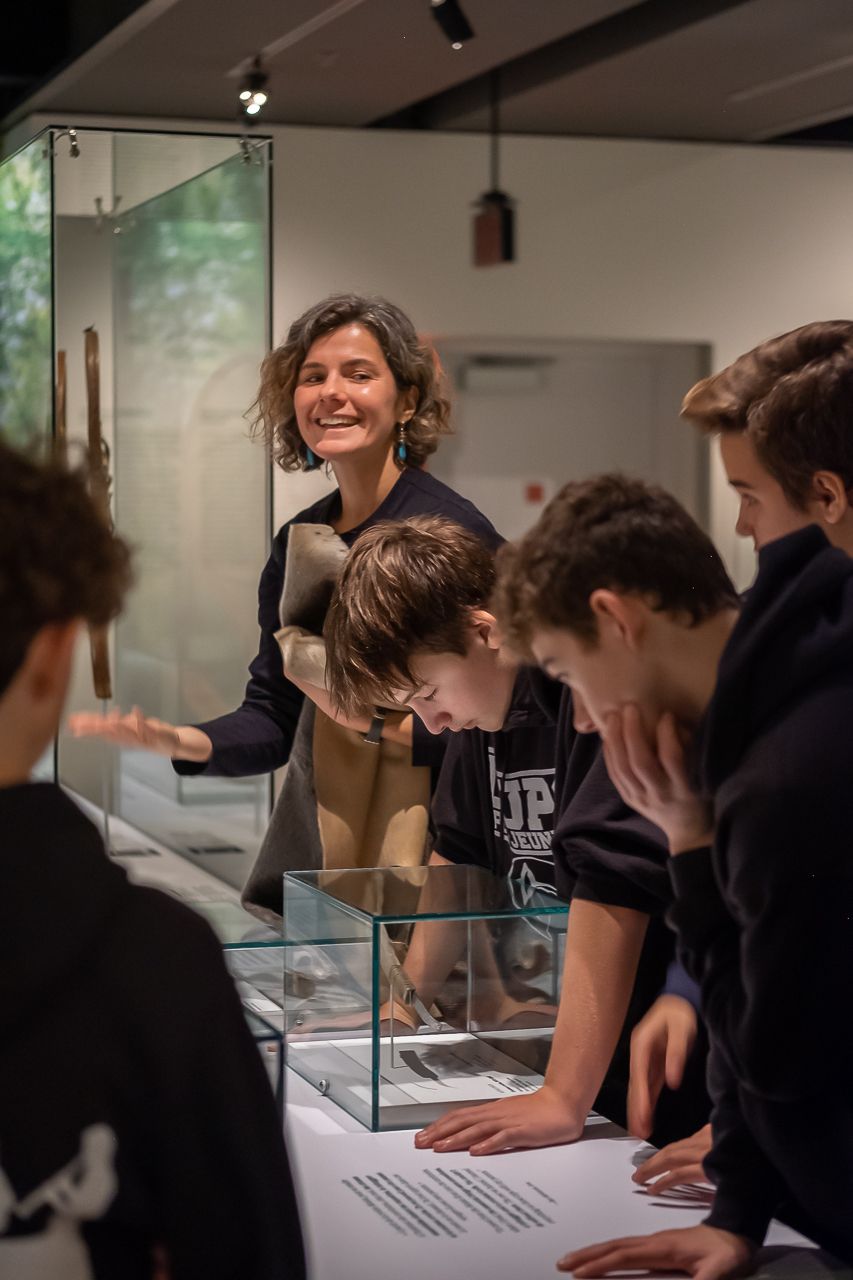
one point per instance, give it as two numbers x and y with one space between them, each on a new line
310 458
401 442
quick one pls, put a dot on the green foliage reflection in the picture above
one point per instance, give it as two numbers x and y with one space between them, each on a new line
25 295
192 270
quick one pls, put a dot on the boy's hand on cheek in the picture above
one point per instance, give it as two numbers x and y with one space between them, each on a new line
540 1119
651 777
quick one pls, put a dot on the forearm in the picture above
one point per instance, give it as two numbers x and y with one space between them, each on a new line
603 949
252 740
397 727
192 744
434 948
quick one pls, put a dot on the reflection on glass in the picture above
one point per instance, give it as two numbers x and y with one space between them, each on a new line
25 296
190 330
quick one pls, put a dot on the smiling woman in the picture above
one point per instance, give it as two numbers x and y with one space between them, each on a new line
337 346
353 387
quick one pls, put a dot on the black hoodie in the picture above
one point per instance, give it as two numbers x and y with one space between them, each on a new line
765 917
494 803
134 1108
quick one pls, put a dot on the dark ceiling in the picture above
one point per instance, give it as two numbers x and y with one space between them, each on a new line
715 70
48 36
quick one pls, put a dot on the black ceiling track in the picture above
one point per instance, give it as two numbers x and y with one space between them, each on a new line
619 33
833 133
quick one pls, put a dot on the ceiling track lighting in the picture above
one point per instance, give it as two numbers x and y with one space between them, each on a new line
253 90
449 16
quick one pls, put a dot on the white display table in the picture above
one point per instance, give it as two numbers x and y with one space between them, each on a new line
375 1208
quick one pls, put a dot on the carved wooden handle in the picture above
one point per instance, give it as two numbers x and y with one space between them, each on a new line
99 482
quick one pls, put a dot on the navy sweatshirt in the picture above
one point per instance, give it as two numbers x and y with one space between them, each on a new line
131 1093
257 737
765 916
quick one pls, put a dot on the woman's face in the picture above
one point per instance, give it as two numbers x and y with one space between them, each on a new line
346 400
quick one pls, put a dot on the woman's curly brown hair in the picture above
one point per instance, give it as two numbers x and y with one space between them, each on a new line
412 363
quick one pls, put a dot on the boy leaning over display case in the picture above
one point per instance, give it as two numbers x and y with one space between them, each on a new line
138 1132
781 417
521 794
718 720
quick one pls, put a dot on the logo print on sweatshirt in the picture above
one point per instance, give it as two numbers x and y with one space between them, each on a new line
523 808
79 1192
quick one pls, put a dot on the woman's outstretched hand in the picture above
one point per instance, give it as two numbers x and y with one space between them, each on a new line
146 733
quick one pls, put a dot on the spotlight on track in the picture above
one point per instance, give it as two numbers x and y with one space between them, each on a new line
449 16
253 90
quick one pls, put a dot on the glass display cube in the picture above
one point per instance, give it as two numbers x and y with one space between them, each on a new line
252 953
408 991
271 1048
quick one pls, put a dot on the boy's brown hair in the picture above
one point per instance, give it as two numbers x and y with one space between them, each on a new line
613 532
793 397
58 559
407 587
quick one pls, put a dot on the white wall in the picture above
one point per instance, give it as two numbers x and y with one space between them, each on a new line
630 240
588 407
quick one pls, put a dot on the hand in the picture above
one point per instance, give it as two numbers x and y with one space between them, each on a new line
652 778
540 1119
145 732
676 1165
707 1253
660 1047
405 1018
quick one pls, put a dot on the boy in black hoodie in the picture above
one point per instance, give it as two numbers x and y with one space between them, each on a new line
410 621
781 416
621 596
138 1133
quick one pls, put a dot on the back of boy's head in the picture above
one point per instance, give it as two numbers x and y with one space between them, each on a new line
792 397
58 559
607 532
407 587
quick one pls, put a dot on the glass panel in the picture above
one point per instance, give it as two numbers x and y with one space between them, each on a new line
25 299
162 247
408 991
83 255
404 894
191 329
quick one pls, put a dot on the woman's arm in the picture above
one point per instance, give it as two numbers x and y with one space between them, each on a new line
397 726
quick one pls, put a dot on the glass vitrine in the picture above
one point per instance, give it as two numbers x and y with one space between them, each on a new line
253 956
152 251
411 990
